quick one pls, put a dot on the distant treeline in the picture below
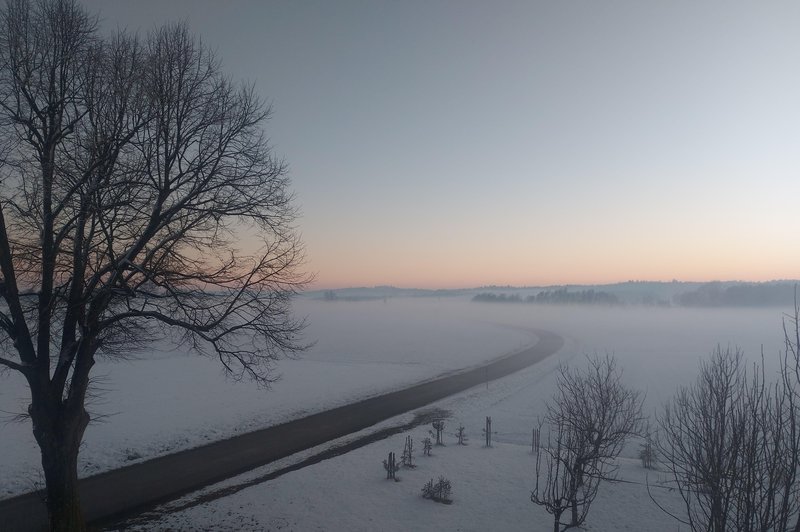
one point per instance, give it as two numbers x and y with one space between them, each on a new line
489 297
330 295
739 295
557 296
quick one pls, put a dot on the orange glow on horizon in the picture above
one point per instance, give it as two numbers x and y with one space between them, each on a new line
582 263
325 282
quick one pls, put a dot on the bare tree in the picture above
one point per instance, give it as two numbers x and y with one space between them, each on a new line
732 445
592 414
131 167
556 490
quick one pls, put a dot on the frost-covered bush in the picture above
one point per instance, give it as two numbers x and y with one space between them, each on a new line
438 491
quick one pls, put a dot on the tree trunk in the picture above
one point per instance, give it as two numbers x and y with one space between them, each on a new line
59 444
63 501
575 484
574 512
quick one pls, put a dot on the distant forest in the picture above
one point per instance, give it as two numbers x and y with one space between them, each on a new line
662 294
739 295
557 296
716 294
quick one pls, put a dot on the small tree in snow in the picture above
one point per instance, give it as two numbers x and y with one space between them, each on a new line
461 435
487 431
408 453
427 446
391 467
555 488
647 450
438 427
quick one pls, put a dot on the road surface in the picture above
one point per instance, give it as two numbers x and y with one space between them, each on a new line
140 486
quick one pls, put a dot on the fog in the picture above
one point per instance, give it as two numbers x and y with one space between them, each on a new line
167 399
658 348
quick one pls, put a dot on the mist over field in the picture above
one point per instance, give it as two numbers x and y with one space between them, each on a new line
366 347
366 342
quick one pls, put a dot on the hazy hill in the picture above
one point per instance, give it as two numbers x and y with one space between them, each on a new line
695 294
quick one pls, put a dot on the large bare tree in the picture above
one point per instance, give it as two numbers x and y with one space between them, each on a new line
129 168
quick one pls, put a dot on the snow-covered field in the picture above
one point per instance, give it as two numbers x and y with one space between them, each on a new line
167 400
350 492
491 487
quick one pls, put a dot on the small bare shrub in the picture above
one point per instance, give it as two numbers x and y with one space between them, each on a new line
427 446
438 491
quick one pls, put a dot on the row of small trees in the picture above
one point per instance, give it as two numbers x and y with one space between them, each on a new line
438 491
730 442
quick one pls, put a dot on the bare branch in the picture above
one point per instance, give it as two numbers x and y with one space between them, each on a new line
13 365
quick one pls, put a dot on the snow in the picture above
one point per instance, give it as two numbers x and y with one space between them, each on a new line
167 400
491 486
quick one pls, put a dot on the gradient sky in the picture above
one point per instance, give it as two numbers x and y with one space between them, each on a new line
456 144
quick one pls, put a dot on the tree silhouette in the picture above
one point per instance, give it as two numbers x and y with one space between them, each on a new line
128 167
591 416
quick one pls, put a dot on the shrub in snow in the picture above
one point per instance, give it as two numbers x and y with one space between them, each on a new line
391 467
648 454
647 449
131 455
438 491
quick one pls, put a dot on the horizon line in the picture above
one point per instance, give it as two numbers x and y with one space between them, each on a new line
522 287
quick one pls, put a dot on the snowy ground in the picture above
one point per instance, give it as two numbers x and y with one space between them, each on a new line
491 486
167 400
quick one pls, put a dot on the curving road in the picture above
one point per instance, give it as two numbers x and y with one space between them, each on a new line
136 487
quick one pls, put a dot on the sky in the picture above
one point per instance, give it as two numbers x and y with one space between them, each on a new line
459 144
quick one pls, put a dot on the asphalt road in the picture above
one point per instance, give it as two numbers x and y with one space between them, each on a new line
140 486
